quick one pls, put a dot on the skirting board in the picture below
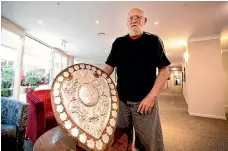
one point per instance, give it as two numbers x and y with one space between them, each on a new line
207 115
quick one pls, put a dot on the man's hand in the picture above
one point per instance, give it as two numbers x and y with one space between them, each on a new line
146 105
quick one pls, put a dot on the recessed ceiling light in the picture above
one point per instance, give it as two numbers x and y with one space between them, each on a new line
100 34
40 22
97 22
156 23
91 60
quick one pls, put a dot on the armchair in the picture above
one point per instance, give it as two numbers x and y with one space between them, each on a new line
13 124
41 117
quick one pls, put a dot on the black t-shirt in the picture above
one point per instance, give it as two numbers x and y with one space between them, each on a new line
136 61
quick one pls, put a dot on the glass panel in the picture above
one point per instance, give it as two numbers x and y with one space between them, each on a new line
8 54
11 43
36 67
60 63
37 49
64 62
10 39
57 64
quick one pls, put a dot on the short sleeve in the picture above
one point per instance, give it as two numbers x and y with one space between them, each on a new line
162 60
113 56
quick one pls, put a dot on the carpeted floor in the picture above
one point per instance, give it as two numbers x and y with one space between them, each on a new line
183 132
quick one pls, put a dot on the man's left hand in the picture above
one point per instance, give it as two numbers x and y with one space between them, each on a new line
146 105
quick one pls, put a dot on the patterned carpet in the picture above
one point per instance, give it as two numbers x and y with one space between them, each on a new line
183 132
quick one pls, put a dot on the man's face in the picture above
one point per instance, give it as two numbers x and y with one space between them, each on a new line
135 21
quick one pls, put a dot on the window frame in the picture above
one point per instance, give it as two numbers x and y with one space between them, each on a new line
7 25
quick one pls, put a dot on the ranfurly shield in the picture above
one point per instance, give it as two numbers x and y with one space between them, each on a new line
86 105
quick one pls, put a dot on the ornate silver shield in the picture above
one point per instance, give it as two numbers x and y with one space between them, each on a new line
86 105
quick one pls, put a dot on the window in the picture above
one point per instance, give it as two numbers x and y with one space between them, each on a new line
10 50
36 68
60 63
38 65
57 64
64 62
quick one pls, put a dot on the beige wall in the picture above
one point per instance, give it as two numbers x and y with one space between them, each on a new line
205 87
184 83
169 83
185 90
224 46
165 85
225 67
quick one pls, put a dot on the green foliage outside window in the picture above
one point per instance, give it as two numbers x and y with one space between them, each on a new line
7 81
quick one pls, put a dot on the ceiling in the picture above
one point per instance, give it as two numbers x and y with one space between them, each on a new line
75 22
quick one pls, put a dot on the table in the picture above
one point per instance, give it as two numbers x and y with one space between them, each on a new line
56 140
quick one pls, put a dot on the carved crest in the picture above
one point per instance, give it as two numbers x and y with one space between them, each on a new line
86 105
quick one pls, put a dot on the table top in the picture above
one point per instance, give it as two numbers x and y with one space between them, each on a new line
56 140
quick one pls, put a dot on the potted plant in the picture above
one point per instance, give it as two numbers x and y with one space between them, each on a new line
32 79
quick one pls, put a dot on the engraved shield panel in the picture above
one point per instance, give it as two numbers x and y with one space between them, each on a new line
86 105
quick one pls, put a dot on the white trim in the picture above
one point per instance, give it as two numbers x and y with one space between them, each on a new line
18 70
204 38
207 115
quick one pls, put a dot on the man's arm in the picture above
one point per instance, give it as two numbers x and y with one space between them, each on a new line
160 81
162 63
145 107
108 69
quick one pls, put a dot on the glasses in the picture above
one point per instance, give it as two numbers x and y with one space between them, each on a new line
135 17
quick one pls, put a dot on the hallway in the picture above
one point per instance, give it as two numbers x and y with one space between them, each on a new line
183 132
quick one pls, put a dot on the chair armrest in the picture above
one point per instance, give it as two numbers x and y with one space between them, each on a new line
14 112
36 119
34 101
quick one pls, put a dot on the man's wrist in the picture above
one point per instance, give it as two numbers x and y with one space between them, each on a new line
153 94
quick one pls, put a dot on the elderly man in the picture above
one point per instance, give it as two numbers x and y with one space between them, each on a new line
136 57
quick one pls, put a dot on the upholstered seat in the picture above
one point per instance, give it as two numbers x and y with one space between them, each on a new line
9 131
41 117
14 115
